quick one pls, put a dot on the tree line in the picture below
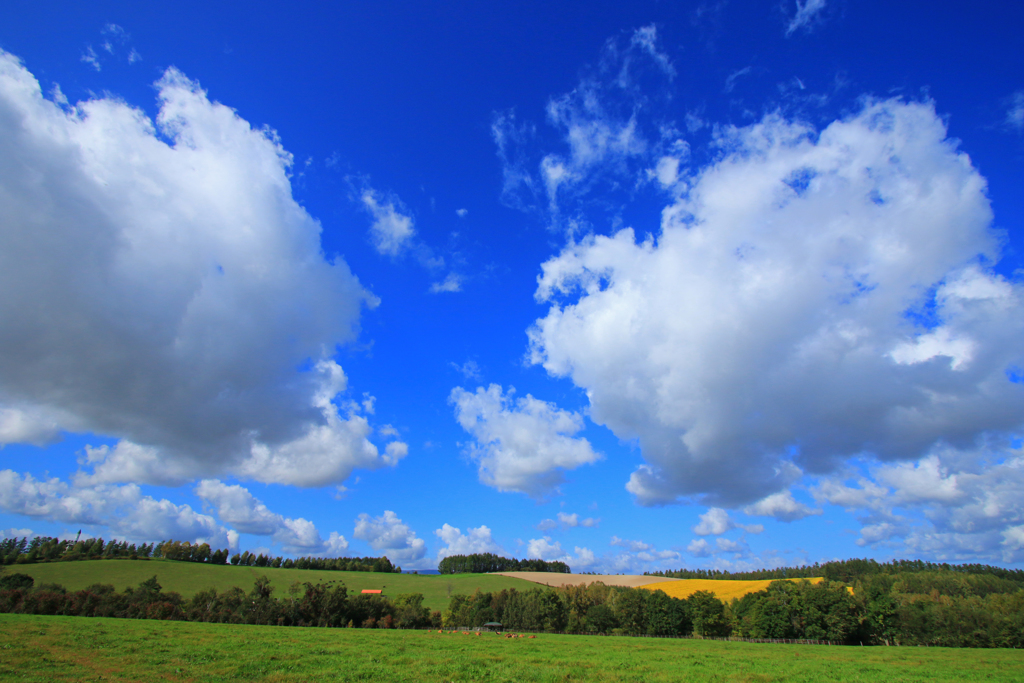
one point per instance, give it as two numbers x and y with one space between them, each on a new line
339 564
323 604
483 563
594 608
49 549
846 571
942 608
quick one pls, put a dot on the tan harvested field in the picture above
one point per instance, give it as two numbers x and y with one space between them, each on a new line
558 580
677 588
723 590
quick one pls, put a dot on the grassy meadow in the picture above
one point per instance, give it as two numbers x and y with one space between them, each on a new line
723 590
188 578
37 648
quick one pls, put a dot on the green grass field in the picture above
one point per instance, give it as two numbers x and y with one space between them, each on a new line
188 578
35 648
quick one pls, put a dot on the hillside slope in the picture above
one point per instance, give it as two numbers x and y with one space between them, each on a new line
188 578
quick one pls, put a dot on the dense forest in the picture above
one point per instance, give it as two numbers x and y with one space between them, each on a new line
482 563
846 571
49 549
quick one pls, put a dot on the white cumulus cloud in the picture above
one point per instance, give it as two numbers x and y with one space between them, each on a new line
952 504
544 549
15 533
574 520
551 551
478 540
699 547
521 444
717 521
159 284
237 506
782 506
713 522
124 510
811 296
392 537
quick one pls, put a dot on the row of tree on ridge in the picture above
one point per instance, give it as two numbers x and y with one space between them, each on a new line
846 571
483 563
49 549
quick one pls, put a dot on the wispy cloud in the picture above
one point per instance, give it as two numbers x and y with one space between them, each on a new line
601 141
451 283
807 13
393 233
90 58
730 81
392 229
717 521
470 369
1015 112
568 521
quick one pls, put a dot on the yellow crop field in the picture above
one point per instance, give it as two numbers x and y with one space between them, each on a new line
723 590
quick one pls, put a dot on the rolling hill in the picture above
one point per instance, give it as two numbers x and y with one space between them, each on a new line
188 578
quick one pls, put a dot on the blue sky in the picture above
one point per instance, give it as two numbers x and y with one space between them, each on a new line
669 285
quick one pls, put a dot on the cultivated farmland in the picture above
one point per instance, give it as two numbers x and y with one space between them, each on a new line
724 590
39 648
187 578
